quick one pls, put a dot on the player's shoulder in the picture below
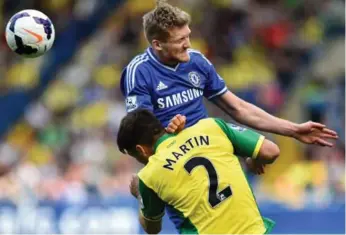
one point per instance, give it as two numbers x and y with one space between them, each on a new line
138 65
151 170
198 57
206 121
139 61
208 125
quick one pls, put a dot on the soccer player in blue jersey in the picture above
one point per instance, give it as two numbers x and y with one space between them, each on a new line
169 78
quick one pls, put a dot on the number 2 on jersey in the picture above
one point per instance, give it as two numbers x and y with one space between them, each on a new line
215 198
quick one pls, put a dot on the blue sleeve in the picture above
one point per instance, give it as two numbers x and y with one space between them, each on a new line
215 85
135 88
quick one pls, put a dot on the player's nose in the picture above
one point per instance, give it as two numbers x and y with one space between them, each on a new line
187 44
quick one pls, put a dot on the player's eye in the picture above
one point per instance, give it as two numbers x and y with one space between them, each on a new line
183 39
180 40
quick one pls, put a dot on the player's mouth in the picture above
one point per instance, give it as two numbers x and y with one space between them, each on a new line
184 53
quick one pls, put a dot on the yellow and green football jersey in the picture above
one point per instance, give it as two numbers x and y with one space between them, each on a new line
197 176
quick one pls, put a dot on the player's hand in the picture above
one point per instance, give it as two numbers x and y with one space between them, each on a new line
176 124
134 188
254 166
315 133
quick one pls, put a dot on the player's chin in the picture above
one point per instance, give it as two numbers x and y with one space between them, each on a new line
184 58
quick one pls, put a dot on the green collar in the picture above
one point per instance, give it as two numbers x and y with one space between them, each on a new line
161 139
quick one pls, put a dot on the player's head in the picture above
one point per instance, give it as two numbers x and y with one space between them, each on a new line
138 133
167 30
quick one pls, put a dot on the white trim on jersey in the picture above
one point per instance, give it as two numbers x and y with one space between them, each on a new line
131 70
134 70
220 92
158 62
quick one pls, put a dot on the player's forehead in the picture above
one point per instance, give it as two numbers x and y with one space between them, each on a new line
179 32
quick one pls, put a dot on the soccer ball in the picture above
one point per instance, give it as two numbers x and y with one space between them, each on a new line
30 33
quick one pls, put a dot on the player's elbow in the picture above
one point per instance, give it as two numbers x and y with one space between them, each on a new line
150 227
269 152
152 230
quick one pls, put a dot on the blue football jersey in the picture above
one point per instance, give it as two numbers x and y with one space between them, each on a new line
167 91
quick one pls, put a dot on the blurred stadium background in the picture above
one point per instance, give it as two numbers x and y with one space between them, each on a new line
60 168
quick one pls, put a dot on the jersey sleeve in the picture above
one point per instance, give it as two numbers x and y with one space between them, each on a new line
215 85
246 143
152 207
134 87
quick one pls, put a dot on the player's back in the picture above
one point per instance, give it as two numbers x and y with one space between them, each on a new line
202 183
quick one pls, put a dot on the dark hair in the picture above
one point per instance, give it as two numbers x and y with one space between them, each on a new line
157 22
138 127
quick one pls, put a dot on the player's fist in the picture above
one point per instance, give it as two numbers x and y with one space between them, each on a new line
134 188
176 124
254 166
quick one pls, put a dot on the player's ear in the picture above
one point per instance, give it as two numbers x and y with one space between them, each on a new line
144 153
141 155
156 44
140 149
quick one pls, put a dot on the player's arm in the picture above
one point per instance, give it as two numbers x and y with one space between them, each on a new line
242 111
252 116
152 209
248 143
135 88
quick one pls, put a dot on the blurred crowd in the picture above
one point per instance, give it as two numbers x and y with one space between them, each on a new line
64 148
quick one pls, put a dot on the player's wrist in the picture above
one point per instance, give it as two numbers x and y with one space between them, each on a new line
294 130
289 129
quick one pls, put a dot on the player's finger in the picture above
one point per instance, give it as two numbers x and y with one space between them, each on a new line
176 117
330 132
317 125
182 119
261 170
327 136
170 130
323 142
257 170
173 126
176 121
134 177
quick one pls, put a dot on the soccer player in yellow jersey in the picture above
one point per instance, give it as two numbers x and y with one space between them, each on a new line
196 174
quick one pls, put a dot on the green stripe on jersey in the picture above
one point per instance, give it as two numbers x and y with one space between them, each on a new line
244 141
152 207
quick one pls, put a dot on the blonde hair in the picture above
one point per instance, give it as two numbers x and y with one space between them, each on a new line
158 21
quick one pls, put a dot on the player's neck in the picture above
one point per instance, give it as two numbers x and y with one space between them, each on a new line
158 139
165 61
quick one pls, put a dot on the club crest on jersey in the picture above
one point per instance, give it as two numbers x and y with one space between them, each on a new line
195 79
131 103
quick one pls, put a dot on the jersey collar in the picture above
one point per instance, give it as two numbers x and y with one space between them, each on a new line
154 58
162 139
